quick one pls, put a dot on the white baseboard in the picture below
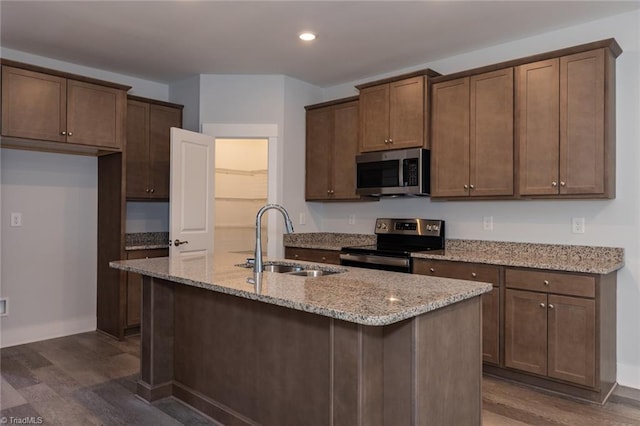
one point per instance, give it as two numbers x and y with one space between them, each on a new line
34 333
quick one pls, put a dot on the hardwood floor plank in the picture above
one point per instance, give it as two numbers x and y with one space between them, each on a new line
90 379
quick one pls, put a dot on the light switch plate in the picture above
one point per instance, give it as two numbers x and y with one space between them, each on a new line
487 223
16 219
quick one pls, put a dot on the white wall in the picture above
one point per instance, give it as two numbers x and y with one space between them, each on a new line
268 99
187 92
608 222
49 265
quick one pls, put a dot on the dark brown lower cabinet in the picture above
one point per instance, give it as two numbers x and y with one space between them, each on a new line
551 329
312 255
134 286
490 301
561 328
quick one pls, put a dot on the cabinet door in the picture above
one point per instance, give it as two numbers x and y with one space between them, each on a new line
134 285
525 334
572 337
450 139
318 154
95 115
161 119
406 113
491 326
33 105
345 149
582 123
137 149
537 124
374 118
491 134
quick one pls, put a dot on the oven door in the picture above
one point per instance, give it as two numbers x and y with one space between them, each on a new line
376 261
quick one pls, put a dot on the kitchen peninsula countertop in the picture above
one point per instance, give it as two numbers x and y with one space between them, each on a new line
362 296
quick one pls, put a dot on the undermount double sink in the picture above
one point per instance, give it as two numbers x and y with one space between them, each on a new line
298 270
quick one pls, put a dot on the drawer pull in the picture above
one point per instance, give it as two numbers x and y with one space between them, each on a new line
542 305
551 306
473 274
431 270
546 282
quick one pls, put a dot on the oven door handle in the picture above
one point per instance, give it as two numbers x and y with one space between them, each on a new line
375 260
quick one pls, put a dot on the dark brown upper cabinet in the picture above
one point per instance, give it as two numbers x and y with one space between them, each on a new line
394 112
148 147
472 136
566 125
331 149
59 107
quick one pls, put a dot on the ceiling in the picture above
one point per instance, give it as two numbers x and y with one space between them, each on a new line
166 41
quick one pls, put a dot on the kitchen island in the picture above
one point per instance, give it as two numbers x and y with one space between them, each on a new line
358 347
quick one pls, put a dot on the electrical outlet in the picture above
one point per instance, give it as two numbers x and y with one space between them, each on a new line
487 223
16 219
577 225
303 219
352 219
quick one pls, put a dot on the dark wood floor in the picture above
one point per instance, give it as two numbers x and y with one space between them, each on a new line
89 379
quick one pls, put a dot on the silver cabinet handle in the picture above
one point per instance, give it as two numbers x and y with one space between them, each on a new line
179 243
70 133
542 305
551 306
431 270
473 274
146 190
386 141
562 184
466 187
471 187
390 140
554 183
152 190
546 282
63 133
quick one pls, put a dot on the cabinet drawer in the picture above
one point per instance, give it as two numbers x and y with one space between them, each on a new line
457 270
551 282
312 255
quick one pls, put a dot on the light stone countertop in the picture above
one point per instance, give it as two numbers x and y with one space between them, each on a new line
362 296
558 257
327 240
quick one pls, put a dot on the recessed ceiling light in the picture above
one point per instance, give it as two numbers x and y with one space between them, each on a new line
307 36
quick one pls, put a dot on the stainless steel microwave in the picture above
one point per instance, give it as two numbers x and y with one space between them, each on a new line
396 172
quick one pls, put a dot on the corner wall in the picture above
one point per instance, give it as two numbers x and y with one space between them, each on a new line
48 266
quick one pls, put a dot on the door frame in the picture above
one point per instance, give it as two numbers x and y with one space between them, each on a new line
274 175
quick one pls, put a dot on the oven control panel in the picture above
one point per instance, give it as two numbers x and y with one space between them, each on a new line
430 227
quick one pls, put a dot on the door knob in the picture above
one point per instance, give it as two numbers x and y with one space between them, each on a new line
179 243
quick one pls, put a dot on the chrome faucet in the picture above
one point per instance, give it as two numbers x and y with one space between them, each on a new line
257 265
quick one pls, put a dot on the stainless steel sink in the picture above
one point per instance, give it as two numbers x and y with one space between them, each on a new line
313 273
282 268
297 270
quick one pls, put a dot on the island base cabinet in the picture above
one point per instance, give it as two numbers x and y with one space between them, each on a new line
247 362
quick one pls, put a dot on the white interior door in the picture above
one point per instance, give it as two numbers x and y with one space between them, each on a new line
191 211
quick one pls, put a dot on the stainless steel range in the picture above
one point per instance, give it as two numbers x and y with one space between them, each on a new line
396 240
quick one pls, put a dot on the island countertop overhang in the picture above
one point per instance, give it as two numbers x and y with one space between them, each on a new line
362 296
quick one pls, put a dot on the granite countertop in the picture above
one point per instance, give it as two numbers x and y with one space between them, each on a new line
558 257
327 240
146 240
362 296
